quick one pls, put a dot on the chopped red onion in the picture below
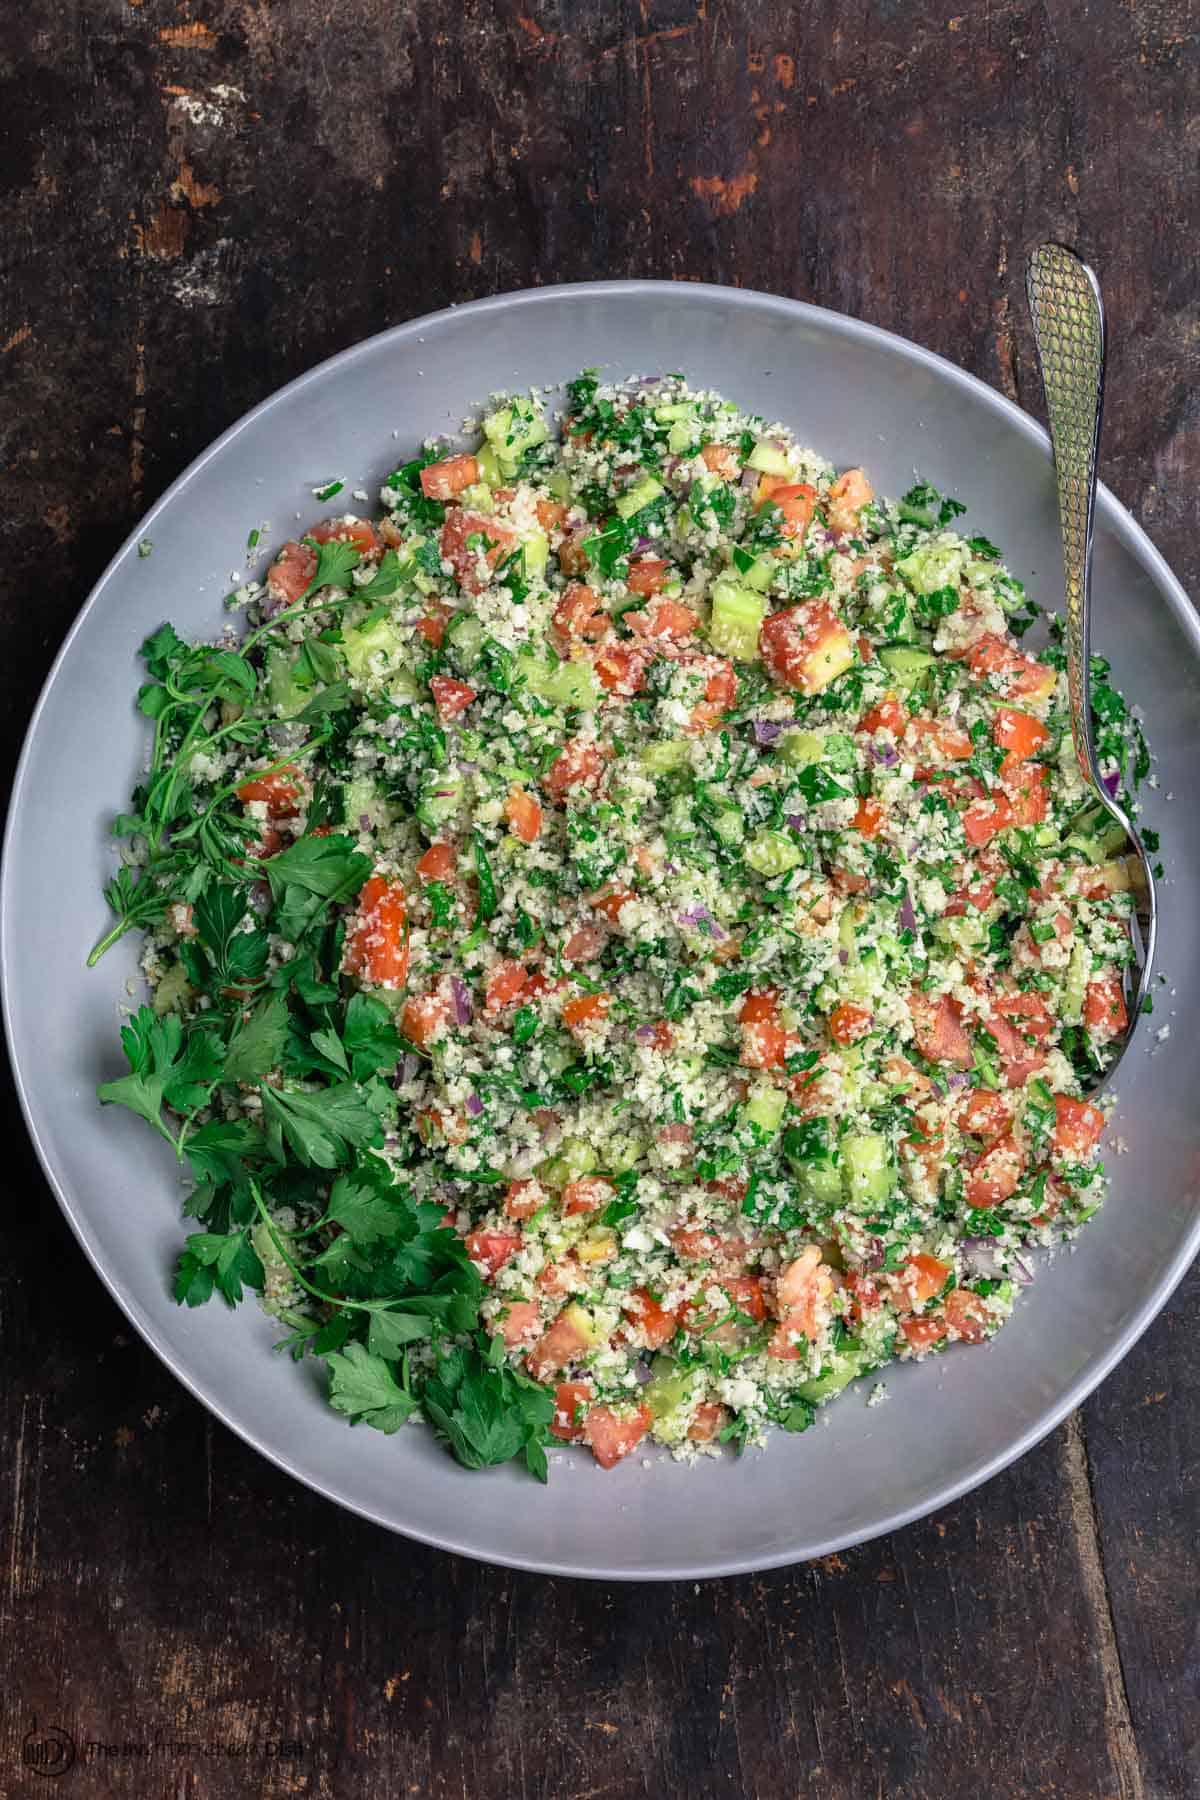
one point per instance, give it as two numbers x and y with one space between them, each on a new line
797 821
843 957
766 731
956 1081
700 915
474 1105
649 380
886 755
643 542
980 1254
1023 1271
364 821
750 479
462 1000
908 917
1111 783
407 1071
644 1034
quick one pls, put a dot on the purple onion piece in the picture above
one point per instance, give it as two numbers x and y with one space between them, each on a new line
462 1000
886 755
956 1081
1110 784
408 1070
766 731
749 479
797 821
364 821
470 767
643 542
644 1034
700 915
1023 1270
474 1105
908 917
649 380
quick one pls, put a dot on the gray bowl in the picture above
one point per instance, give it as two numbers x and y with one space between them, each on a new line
859 395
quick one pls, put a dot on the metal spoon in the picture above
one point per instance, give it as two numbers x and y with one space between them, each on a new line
1068 328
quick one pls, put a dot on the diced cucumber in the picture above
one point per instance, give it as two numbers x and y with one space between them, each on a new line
771 853
767 459
172 990
364 800
641 494
765 1108
535 546
624 1151
285 696
661 757
479 497
737 614
675 409
801 747
464 640
729 825
440 798
669 1386
559 483
512 430
561 684
1075 986
489 466
363 644
818 1185
934 565
597 1244
575 1157
682 437
760 574
842 1370
866 1169
583 1322
906 665
967 934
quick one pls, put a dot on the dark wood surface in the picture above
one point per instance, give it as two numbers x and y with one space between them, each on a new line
199 202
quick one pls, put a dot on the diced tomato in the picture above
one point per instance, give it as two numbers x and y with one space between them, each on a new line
649 576
621 669
504 983
571 1401
889 715
563 1277
922 1334
985 818
796 501
869 818
720 459
433 626
540 986
983 1113
492 1248
438 863
586 1195
746 1293
1019 674
1018 732
473 544
1077 1125
584 944
289 575
764 1041
1027 784
848 1022
270 843
979 878
921 1277
520 1321
572 557
805 646
523 814
938 1029
577 764
864 1295
585 1010
562 1343
446 480
377 944
708 1421
613 1435
720 692
695 1243
965 1313
551 515
524 1198
424 1018
667 620
994 1175
580 616
280 790
949 742
359 532
1104 1011
653 1325
449 696
847 496
610 901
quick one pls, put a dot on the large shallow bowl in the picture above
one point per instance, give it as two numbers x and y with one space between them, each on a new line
859 395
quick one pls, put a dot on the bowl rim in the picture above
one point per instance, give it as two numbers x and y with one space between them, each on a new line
1115 516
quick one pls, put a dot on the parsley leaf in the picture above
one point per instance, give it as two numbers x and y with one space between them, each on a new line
363 1387
166 1068
321 1128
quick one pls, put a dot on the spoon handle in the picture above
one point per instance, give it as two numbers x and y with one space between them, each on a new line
1068 328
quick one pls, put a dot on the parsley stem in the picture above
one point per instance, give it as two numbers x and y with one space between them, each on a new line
368 1306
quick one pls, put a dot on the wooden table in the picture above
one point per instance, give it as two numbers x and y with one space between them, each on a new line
203 200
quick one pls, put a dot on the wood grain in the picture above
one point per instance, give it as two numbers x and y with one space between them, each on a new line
199 202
